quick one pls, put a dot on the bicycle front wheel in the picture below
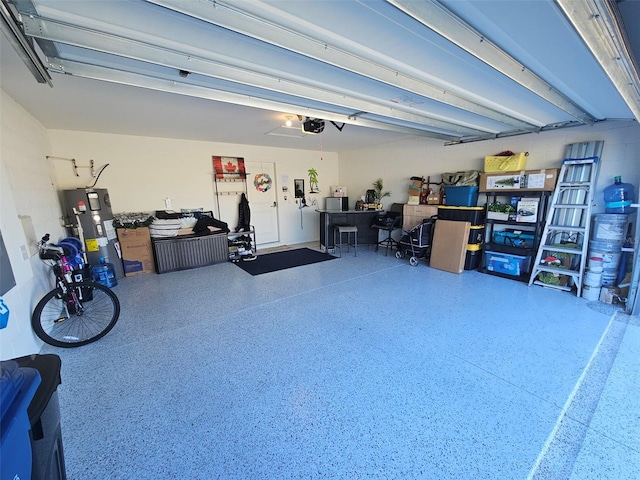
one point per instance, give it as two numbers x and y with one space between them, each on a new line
64 323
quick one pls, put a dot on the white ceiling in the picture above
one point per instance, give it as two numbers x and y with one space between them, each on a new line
374 65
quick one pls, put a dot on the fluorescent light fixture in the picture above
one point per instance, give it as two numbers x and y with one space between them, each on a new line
284 131
17 39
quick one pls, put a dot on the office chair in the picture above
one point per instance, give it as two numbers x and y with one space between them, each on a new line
389 222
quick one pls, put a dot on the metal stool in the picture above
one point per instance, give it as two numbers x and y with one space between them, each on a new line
348 229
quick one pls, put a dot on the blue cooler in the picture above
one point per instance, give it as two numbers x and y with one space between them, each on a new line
17 388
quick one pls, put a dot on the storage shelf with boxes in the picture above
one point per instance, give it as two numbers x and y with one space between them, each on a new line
516 206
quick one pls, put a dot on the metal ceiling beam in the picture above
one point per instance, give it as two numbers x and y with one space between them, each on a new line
513 133
437 17
371 64
181 56
173 86
20 43
596 21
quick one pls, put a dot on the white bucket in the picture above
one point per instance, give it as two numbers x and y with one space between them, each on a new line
590 293
595 264
608 278
592 279
610 227
608 251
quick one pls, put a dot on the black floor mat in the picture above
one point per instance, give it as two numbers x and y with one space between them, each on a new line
272 262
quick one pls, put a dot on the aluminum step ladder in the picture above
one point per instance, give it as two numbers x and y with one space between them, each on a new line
565 238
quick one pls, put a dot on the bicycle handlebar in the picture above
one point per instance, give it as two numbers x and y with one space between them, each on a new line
49 251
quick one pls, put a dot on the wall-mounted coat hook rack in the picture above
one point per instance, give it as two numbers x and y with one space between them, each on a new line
75 165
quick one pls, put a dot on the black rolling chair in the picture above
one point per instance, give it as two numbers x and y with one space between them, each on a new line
389 222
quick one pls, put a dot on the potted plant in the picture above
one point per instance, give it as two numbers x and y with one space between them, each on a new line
378 188
313 180
500 211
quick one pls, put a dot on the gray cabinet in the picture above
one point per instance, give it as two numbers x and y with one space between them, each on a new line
361 219
182 253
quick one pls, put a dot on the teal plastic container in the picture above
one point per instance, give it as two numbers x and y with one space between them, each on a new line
104 273
619 196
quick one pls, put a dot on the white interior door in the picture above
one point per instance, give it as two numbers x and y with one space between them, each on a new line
262 196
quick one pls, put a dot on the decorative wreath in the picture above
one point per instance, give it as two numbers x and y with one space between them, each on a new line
262 182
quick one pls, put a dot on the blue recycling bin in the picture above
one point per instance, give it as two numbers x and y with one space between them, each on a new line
18 385
47 451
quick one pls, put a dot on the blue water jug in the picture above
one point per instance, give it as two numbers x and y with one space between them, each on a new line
105 273
618 197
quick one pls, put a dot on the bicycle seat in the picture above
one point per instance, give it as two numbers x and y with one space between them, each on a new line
51 253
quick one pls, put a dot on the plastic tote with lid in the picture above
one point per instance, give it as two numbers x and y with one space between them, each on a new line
17 388
619 196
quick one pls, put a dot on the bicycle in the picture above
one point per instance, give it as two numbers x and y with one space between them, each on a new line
76 312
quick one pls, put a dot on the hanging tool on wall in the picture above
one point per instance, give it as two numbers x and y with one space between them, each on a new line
75 164
301 204
76 167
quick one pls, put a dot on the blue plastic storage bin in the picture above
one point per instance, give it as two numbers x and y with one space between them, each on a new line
17 388
505 263
514 239
461 196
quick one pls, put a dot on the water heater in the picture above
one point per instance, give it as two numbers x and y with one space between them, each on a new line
89 217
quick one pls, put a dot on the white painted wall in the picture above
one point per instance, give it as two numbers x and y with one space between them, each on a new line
143 171
26 189
397 162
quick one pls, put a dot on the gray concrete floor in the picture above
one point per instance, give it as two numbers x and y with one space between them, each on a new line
359 367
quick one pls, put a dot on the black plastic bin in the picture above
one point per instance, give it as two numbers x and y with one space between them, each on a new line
473 215
44 416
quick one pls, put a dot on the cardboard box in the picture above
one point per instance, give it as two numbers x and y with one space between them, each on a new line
137 253
433 199
413 215
449 249
338 191
527 210
528 180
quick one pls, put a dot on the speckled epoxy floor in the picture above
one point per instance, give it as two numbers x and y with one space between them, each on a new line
360 367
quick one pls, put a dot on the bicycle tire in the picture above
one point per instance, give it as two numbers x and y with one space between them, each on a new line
54 324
